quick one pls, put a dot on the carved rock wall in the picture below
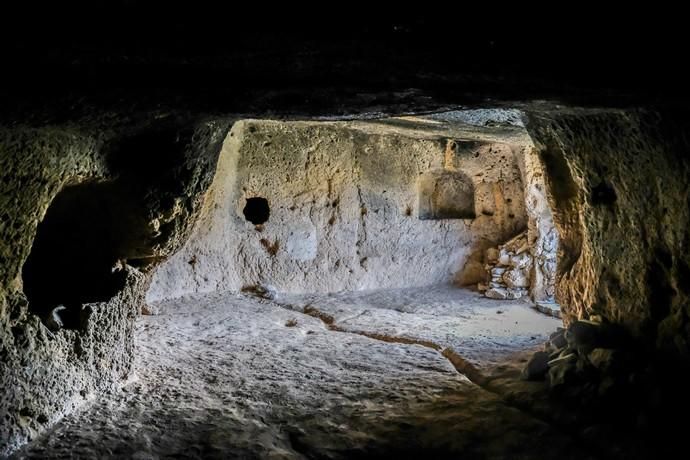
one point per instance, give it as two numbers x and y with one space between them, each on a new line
618 184
155 176
348 210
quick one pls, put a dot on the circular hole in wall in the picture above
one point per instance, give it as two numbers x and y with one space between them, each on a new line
256 210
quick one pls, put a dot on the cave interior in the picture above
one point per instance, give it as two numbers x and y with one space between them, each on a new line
329 239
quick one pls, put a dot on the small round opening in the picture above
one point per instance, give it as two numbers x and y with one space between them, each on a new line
256 210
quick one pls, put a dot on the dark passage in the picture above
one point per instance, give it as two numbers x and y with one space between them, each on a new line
87 230
256 210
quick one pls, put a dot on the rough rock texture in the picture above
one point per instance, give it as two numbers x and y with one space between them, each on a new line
616 181
348 205
142 182
230 376
618 184
45 374
541 232
455 321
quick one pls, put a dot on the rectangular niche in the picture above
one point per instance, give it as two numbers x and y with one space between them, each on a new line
445 195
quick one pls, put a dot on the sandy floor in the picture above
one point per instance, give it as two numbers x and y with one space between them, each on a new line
234 376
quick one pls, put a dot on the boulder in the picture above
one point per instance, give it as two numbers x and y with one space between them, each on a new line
583 335
602 358
561 375
502 293
564 357
516 278
557 339
549 308
522 248
537 366
523 260
516 293
498 271
562 371
497 293
514 244
504 258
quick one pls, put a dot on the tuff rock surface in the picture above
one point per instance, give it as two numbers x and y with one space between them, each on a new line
612 182
617 181
47 370
224 375
352 205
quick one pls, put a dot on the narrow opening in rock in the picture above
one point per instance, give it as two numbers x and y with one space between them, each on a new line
256 210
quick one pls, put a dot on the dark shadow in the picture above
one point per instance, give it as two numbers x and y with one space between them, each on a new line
603 194
80 249
563 192
256 210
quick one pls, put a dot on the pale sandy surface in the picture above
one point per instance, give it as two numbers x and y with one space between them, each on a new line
233 376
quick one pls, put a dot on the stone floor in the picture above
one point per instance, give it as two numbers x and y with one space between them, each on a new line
484 331
362 375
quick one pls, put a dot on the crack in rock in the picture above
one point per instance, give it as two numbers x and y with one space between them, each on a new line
460 364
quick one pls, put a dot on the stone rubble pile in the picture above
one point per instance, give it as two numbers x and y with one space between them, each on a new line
607 385
587 360
509 268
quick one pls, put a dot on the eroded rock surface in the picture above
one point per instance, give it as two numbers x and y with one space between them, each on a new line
483 331
63 337
352 205
232 376
617 180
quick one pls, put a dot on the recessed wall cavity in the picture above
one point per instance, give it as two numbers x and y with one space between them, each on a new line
446 195
77 256
85 216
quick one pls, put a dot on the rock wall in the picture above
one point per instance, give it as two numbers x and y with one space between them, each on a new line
541 232
618 184
352 205
508 273
156 175
339 206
